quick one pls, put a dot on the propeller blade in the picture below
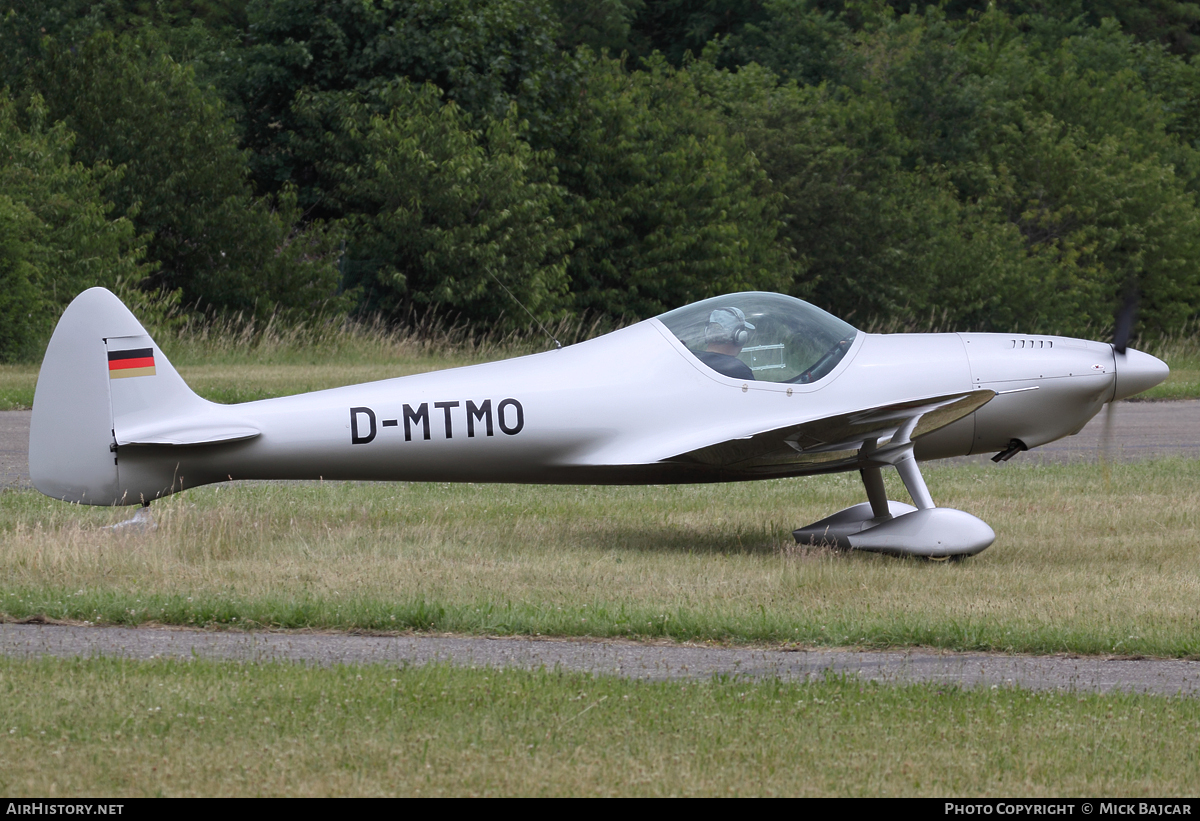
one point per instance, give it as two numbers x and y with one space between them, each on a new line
1122 330
1106 446
1123 325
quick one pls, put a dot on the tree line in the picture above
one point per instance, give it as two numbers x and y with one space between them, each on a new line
1006 165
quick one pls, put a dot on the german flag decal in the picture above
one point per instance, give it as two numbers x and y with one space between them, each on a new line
136 362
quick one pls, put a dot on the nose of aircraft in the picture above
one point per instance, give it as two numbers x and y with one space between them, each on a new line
1137 372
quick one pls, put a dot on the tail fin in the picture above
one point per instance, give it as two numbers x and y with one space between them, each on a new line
103 384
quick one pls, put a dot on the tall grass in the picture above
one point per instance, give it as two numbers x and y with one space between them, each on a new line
241 338
239 359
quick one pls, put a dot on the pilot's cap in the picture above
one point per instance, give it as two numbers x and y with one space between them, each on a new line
728 325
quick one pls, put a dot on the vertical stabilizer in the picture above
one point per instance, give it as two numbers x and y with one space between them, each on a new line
100 358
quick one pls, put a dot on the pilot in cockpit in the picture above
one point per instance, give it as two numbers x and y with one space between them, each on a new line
725 335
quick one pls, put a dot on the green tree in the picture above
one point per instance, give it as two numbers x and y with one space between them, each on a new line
1070 142
185 179
197 32
877 240
963 169
672 206
1171 23
57 233
1102 218
483 54
674 28
602 25
439 213
798 40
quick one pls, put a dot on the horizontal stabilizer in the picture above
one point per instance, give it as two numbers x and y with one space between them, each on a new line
186 432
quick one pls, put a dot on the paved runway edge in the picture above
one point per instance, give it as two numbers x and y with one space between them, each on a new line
610 658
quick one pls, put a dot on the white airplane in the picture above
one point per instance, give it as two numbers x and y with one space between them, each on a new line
738 387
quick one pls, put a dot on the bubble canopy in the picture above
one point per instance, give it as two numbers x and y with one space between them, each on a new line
762 336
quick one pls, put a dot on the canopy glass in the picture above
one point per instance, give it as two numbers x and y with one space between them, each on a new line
762 336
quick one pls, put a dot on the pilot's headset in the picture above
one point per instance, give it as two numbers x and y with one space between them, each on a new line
727 325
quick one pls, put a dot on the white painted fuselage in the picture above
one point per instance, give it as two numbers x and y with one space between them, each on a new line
621 408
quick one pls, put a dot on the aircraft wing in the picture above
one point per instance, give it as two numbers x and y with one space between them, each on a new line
859 438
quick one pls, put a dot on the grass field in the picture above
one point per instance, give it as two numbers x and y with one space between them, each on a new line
1083 563
118 728
1087 561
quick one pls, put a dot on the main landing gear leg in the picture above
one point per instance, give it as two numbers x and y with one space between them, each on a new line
872 479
